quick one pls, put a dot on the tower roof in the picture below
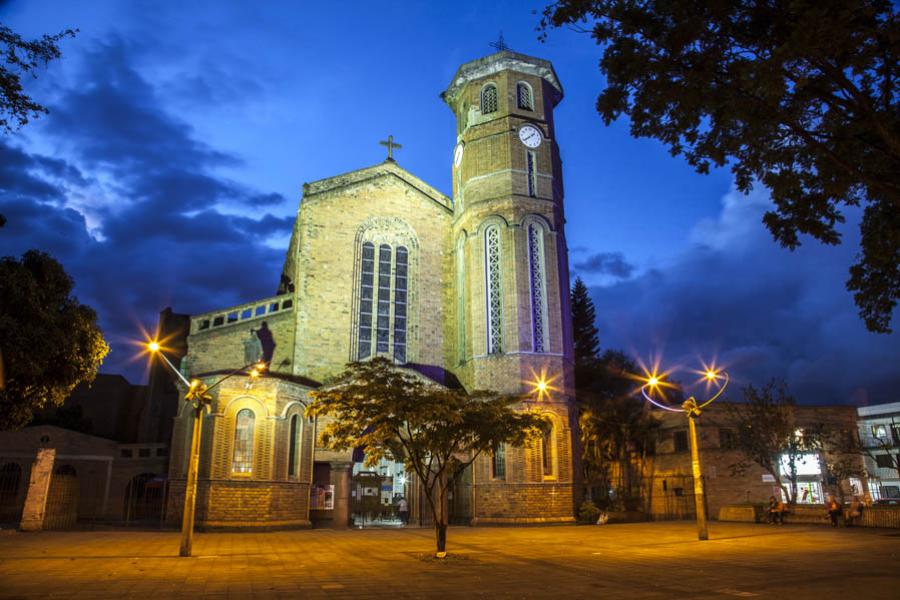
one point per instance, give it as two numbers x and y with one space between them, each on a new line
505 60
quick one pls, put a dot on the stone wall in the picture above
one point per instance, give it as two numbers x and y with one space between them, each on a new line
222 348
229 504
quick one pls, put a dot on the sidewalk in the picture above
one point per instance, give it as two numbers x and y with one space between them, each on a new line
646 560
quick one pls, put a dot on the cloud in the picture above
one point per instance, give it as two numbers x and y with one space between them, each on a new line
134 206
607 263
760 309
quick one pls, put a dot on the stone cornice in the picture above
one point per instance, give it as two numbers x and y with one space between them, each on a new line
501 61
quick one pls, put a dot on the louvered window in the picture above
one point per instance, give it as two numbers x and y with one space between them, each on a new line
494 296
524 96
538 287
489 99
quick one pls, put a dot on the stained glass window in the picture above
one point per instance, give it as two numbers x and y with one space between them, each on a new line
547 451
366 295
382 330
242 460
489 99
523 93
493 288
538 287
400 296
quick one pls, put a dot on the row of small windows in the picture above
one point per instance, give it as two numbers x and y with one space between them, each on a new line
489 98
391 292
242 454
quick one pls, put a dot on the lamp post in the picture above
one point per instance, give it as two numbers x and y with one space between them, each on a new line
200 398
692 409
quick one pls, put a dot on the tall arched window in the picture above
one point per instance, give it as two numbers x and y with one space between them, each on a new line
494 295
524 98
383 302
242 459
498 462
489 99
537 280
294 446
547 451
461 300
531 169
401 272
366 295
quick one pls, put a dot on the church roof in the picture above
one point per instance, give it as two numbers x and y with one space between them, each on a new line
388 168
505 60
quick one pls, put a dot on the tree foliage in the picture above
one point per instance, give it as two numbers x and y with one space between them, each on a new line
51 342
768 435
23 57
584 328
801 96
436 432
617 431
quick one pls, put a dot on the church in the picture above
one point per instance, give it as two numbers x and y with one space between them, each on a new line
469 290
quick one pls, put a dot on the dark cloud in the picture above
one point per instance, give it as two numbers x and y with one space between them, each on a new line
132 207
606 263
762 310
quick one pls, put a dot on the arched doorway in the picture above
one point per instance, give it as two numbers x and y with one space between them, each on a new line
62 499
145 497
10 487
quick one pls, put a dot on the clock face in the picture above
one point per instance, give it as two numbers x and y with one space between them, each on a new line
457 154
530 136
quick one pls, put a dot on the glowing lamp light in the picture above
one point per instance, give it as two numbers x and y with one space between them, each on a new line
711 375
653 381
542 386
153 346
254 373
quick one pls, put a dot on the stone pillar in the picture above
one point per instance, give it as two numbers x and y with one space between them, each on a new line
38 485
340 479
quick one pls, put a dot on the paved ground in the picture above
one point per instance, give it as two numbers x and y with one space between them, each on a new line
653 560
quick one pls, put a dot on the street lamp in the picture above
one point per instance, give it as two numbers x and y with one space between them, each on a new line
198 394
692 408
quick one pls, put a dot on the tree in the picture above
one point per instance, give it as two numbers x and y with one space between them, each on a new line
51 342
769 436
587 345
436 432
801 96
23 57
617 431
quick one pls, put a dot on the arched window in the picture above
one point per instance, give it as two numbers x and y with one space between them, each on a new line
401 272
366 295
383 320
494 295
242 459
537 280
524 96
531 168
489 99
294 446
461 300
498 462
547 451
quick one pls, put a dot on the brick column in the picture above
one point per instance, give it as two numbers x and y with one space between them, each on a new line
38 485
340 478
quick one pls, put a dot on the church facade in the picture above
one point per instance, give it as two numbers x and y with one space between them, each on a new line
467 290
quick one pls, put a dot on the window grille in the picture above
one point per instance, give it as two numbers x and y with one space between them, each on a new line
383 331
293 446
532 174
538 287
498 462
489 99
400 297
242 460
366 294
494 294
523 93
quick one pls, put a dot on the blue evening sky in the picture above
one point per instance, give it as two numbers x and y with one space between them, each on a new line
170 167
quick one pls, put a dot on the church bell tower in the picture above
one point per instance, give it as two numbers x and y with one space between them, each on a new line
512 319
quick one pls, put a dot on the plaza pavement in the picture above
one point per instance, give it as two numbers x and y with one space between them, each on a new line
648 560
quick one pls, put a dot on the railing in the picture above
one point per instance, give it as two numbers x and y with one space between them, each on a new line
241 313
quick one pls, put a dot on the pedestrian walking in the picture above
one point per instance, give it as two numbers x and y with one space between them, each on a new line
834 510
854 513
403 511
